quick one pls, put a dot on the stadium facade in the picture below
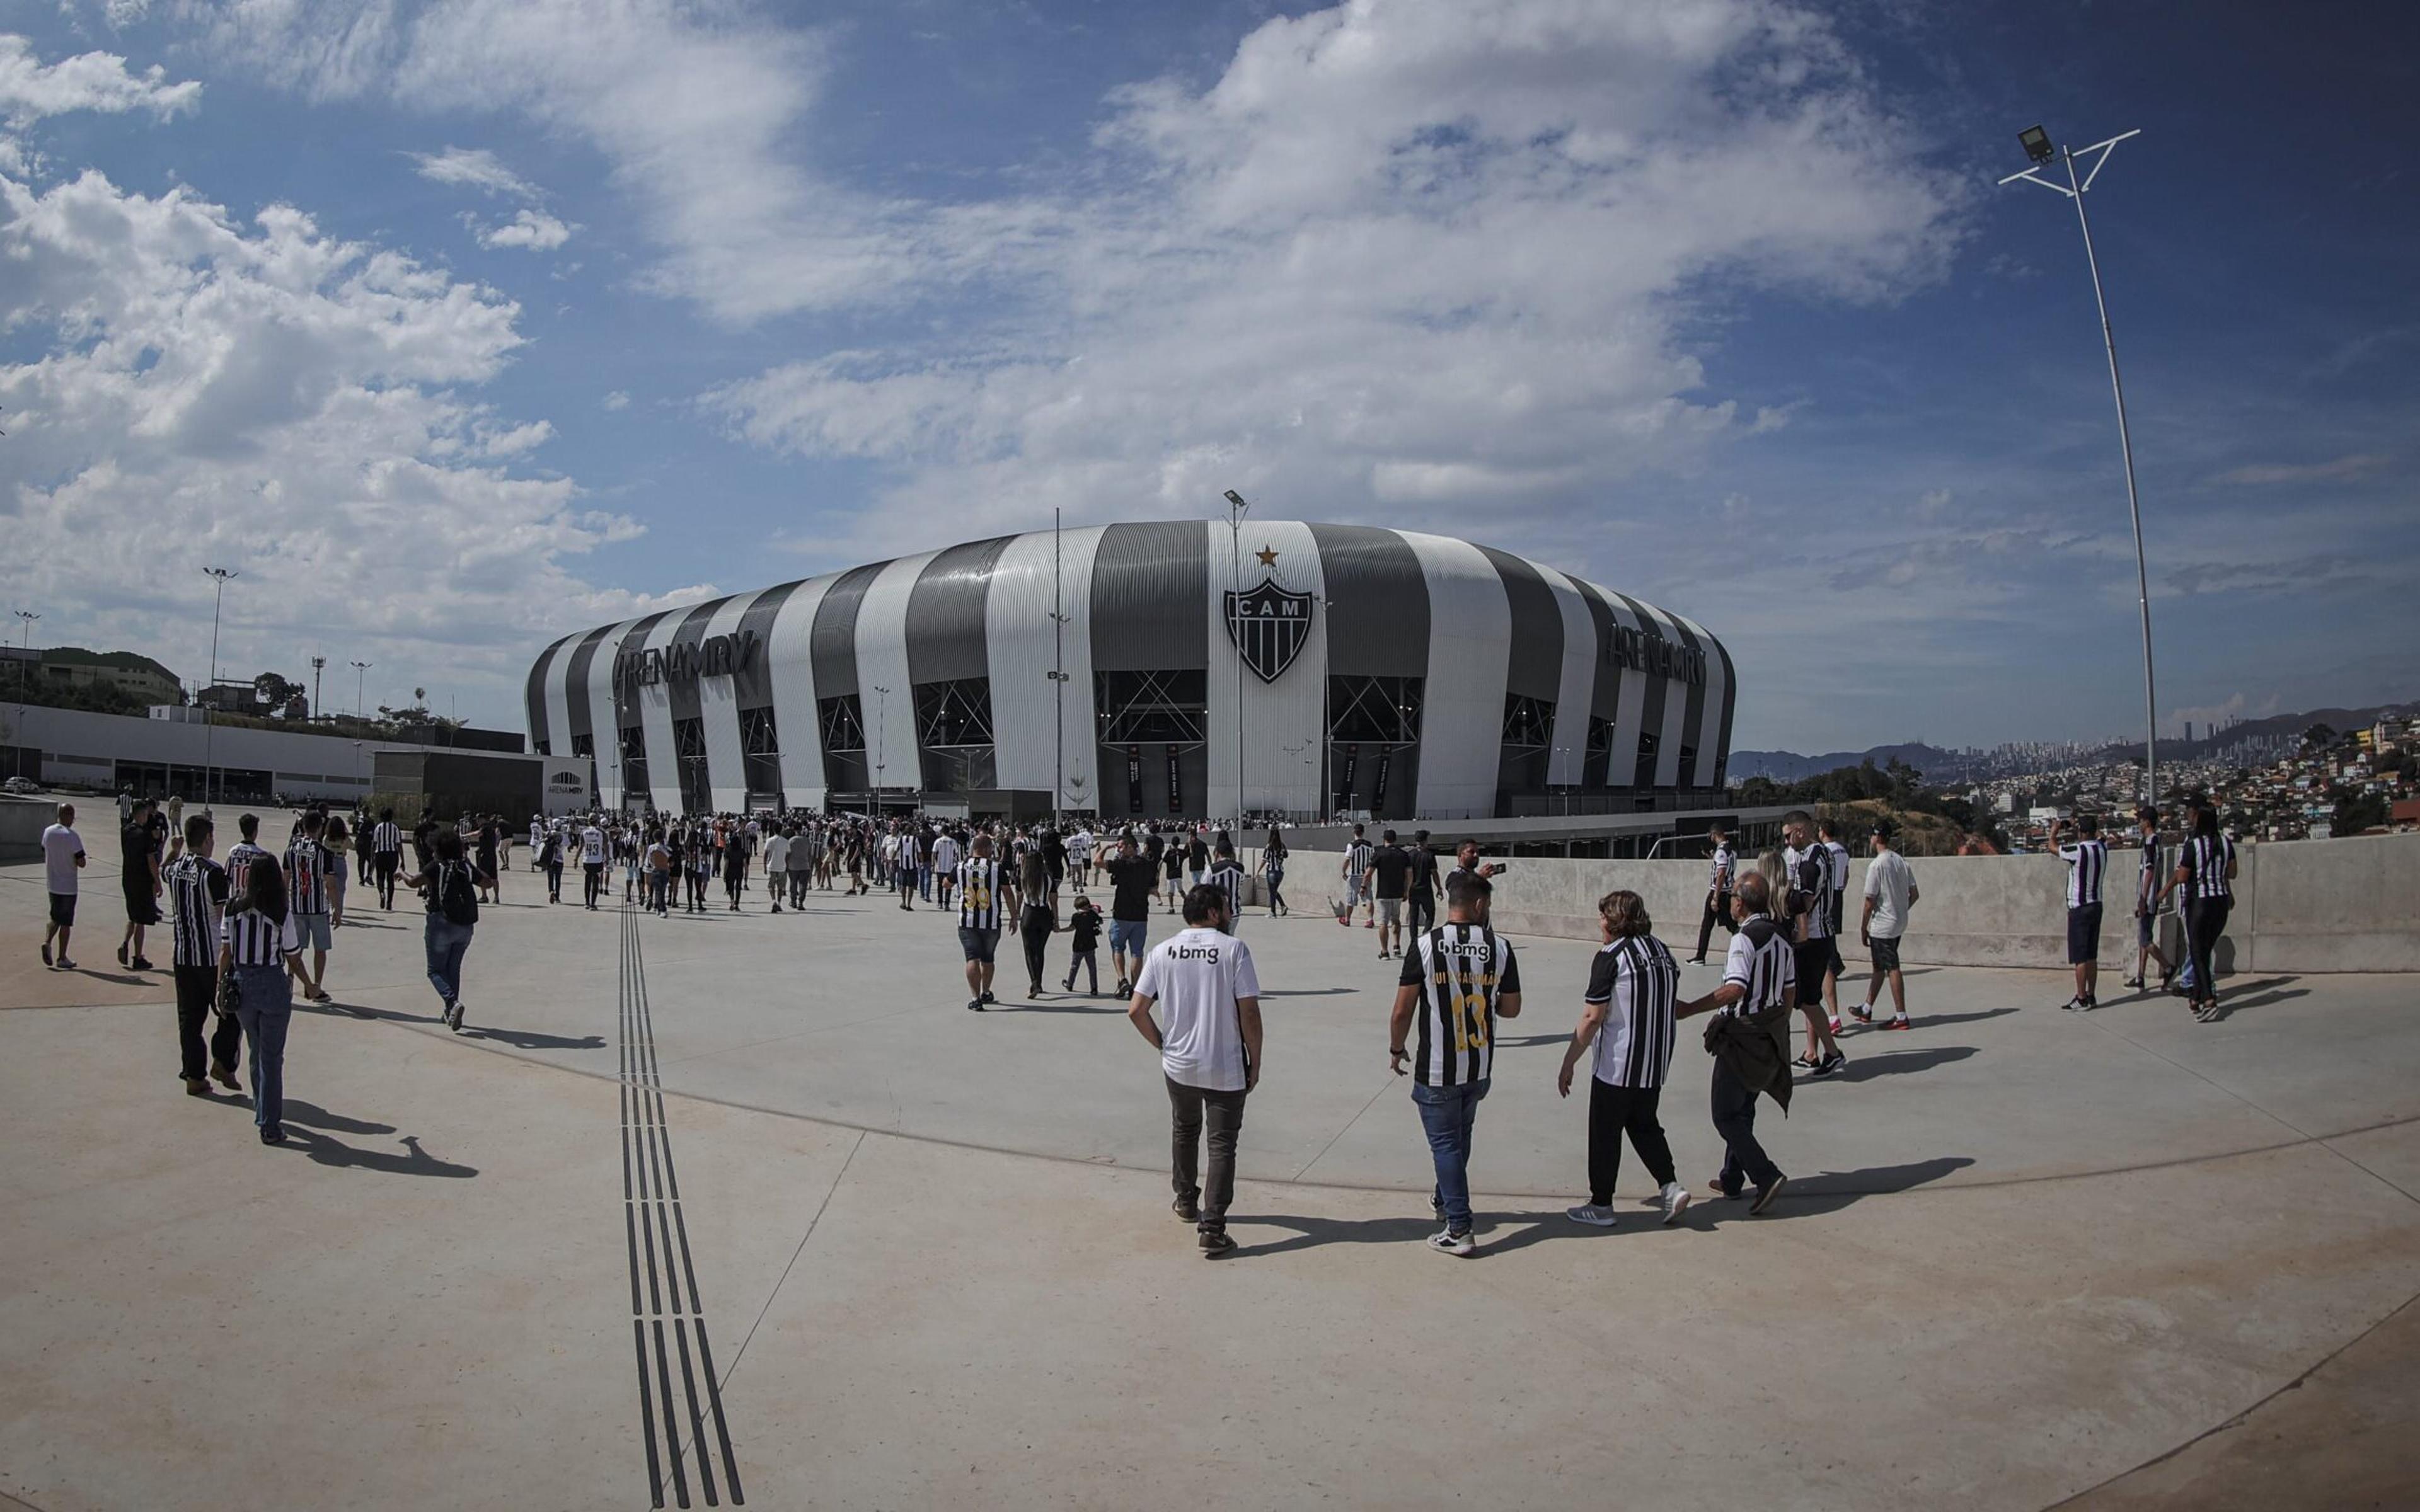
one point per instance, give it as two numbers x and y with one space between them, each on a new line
1450 680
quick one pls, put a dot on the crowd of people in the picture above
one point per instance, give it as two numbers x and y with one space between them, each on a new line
251 930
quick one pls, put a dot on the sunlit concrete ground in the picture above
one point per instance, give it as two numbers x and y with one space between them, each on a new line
2023 1254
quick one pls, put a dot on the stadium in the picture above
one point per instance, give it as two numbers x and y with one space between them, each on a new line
1154 669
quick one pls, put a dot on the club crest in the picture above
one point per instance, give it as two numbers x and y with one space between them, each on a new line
1269 625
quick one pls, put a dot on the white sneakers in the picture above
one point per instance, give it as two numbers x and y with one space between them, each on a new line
1675 1198
1449 1242
1676 1202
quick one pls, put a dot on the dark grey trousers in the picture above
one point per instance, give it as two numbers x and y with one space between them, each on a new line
1734 1109
1188 1108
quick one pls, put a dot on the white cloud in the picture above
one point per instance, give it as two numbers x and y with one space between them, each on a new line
475 168
263 396
618 399
1401 258
534 230
2351 468
695 108
31 89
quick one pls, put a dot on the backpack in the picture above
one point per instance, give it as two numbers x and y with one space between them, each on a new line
456 897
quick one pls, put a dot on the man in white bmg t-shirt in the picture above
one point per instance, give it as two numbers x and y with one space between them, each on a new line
1209 1052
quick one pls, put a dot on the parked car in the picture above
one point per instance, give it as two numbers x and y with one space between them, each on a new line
19 784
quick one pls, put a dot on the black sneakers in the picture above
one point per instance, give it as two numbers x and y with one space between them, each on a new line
1187 1209
1215 1242
1766 1193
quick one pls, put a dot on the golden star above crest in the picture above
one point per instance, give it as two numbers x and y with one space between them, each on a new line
1267 556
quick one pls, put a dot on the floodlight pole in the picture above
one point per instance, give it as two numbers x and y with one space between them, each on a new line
1058 681
881 732
26 643
1236 510
2074 190
361 670
220 577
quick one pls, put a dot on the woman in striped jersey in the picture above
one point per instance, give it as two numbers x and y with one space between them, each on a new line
259 945
198 889
2205 872
1629 1016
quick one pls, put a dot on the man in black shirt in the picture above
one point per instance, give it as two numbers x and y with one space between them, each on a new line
139 857
1420 902
1132 877
1389 876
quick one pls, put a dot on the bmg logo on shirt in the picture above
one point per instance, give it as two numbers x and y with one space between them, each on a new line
1194 952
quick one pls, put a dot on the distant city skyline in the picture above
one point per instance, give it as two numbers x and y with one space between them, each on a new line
456 324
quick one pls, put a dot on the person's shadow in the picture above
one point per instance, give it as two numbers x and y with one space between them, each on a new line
1929 1020
1893 1063
1503 1232
518 1039
1113 1007
312 1129
2266 994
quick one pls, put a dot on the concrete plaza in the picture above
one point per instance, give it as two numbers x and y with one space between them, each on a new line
915 1256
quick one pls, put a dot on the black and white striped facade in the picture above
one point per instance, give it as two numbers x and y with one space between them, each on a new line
1455 680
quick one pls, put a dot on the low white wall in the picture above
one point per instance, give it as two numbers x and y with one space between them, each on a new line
21 823
2301 906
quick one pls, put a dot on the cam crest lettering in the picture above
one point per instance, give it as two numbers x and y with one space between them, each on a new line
1269 626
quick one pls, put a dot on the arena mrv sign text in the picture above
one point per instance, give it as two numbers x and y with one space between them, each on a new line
720 655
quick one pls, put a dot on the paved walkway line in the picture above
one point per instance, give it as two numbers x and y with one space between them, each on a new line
651 1219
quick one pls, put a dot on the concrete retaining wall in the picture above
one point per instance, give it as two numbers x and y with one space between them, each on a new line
21 823
2304 905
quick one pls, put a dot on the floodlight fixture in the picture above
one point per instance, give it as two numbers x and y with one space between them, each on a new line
2037 144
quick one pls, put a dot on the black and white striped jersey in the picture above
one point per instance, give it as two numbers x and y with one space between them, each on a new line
2205 859
1761 961
1725 859
386 837
1810 877
198 889
257 939
1639 983
1460 971
1228 877
2087 862
307 877
239 865
2149 880
979 894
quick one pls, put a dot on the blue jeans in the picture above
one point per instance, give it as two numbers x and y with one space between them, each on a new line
265 1007
1447 1113
1127 937
924 883
445 941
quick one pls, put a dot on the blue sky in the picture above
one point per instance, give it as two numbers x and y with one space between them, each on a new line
456 324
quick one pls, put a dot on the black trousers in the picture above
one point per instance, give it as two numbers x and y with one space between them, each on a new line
198 988
2204 922
1089 962
383 865
592 882
1615 1111
1188 1109
1419 912
1033 929
1734 1109
1719 908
